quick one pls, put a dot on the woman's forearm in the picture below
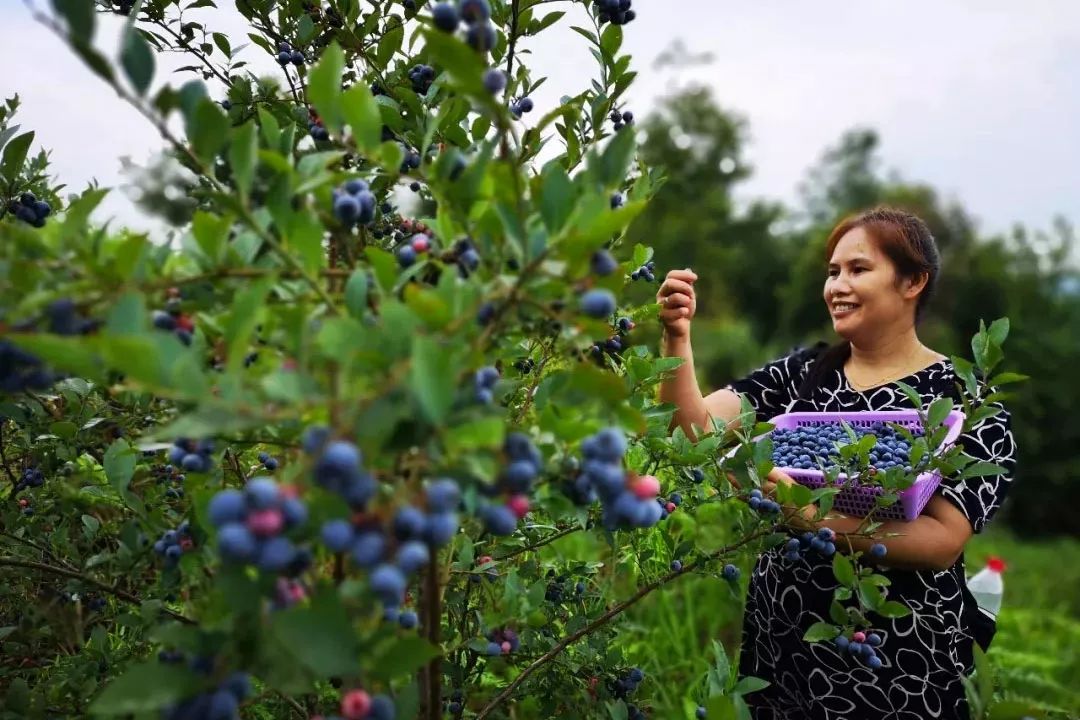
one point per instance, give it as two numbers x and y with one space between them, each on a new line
682 389
922 544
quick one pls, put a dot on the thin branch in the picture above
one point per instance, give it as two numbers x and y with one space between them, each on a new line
122 594
540 543
188 48
607 617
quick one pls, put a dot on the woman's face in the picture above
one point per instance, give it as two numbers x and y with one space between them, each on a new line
861 292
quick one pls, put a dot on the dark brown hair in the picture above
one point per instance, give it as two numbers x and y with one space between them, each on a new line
908 243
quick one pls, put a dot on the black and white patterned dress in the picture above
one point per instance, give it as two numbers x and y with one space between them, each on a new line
924 654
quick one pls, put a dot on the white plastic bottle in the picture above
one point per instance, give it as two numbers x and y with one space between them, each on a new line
987 586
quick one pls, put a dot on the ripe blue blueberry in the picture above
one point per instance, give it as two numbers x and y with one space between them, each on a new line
347 209
874 662
730 572
878 551
340 457
676 565
226 506
481 36
367 549
276 554
261 493
409 523
441 528
337 535
603 263
412 556
408 619
472 11
388 583
443 495
314 438
445 16
841 642
236 543
382 708
494 81
873 640
223 706
406 256
526 104
700 713
499 519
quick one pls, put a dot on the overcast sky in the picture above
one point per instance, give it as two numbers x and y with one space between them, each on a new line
977 97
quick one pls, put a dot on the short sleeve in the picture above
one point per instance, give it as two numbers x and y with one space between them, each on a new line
771 388
980 497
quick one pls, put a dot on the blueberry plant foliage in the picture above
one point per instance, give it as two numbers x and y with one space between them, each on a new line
307 461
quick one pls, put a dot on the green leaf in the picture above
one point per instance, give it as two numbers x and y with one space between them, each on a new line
432 382
982 469
482 433
79 16
119 464
207 129
402 656
1007 377
128 315
999 330
211 232
14 156
321 636
610 41
751 684
893 609
356 293
324 86
939 410
17 698
911 393
137 59
391 40
820 631
243 318
243 153
146 687
363 116
74 355
557 198
843 569
869 594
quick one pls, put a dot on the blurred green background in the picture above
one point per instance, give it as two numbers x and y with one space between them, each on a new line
761 267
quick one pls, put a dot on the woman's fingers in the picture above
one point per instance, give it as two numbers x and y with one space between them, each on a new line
677 300
673 286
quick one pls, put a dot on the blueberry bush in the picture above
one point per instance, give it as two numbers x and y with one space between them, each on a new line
303 462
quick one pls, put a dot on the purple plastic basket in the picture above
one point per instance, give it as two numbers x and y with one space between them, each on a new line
858 500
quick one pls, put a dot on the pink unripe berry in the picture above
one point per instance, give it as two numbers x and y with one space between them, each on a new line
646 487
355 705
670 507
420 243
859 636
506 647
265 522
186 544
484 559
519 505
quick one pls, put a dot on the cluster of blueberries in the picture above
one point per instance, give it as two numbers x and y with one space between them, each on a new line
270 463
521 106
221 703
456 706
359 705
556 588
407 619
762 504
252 524
172 320
624 685
823 543
192 455
614 344
525 365
502 641
21 370
354 203
811 446
617 12
861 647
421 77
515 483
30 210
174 543
484 381
288 54
621 119
169 474
624 504
317 130
598 303
338 467
645 272
408 252
479 34
467 258
31 477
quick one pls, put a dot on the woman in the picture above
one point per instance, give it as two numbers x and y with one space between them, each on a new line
882 270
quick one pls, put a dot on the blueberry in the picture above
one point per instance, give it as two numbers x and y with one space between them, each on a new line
226 506
445 16
499 519
337 535
873 640
472 11
406 256
314 438
494 81
236 543
730 572
874 662
878 551
412 556
841 642
603 263
409 523
368 549
296 57
382 708
261 493
388 583
276 554
481 36
238 684
526 104
223 706
676 565
636 675
408 620
347 209
700 713
441 528
356 186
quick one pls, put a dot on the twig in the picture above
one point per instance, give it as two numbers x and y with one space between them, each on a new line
606 617
292 703
122 594
541 543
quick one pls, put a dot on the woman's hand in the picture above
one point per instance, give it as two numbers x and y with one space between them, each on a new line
799 518
678 302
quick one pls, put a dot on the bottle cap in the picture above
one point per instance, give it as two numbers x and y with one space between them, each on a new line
995 563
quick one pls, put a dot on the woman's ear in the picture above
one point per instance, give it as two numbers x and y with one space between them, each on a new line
911 287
